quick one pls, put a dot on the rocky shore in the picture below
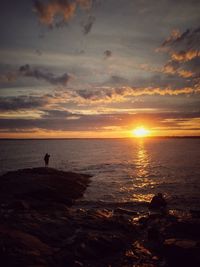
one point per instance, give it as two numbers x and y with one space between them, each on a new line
40 227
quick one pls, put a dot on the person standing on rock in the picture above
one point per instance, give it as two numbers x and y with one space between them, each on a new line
46 159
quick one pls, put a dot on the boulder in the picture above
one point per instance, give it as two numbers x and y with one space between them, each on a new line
158 202
182 252
41 187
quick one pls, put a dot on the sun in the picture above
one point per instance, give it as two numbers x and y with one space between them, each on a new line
140 132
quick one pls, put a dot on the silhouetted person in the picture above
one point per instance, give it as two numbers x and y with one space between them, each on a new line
46 159
158 202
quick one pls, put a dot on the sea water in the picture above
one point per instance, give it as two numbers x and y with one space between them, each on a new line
123 170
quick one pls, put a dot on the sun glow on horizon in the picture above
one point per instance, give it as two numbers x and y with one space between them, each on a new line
140 132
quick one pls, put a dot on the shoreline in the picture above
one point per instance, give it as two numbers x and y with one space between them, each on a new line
41 224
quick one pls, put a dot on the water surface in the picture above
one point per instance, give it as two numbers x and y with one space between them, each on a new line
124 170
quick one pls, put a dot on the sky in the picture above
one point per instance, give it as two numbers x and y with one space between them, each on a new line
99 68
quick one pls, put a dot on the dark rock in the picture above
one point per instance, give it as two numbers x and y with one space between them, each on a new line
195 213
19 205
40 228
42 187
189 228
153 234
158 202
21 249
182 252
126 211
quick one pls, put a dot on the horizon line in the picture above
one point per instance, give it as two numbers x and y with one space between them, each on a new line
95 138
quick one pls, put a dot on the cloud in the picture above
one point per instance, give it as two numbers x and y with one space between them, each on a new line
174 67
8 77
86 4
99 122
174 36
183 51
58 114
47 12
56 12
38 52
107 54
117 80
109 95
182 47
184 56
22 103
87 26
39 74
190 38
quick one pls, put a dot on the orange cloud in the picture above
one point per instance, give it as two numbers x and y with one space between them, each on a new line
185 73
175 35
109 95
181 48
47 12
172 68
62 9
184 56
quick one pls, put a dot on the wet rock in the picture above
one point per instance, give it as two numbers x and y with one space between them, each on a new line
182 252
154 234
41 187
158 202
19 205
195 213
21 249
39 227
184 229
126 211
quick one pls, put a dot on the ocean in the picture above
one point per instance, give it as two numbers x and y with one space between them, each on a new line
123 170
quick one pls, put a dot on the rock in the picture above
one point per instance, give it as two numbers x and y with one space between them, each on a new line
184 229
78 264
20 205
158 202
182 252
195 213
126 211
21 249
154 234
42 187
40 228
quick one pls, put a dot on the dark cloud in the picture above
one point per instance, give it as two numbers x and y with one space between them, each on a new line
38 52
56 114
37 73
22 103
190 38
184 46
162 80
107 54
98 122
87 25
117 80
184 52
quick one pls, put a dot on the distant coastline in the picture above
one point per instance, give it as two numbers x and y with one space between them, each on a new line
107 138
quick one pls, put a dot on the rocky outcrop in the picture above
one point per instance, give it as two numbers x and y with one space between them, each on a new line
41 187
40 227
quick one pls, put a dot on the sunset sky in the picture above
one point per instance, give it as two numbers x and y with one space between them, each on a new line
99 68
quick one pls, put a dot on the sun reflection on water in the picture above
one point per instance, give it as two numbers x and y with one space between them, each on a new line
142 179
142 161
